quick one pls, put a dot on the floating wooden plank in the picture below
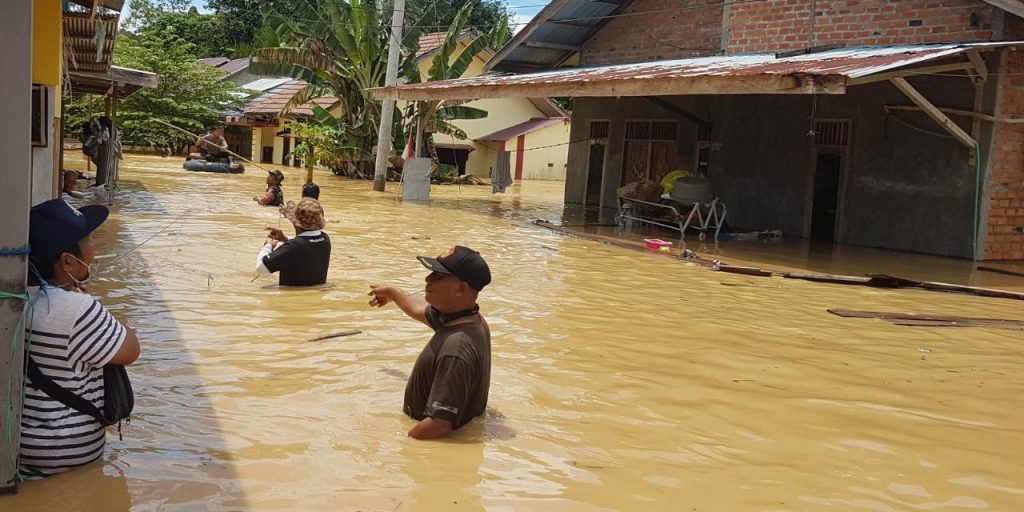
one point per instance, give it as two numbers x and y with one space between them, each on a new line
1001 271
939 323
926 320
827 278
984 292
873 280
749 271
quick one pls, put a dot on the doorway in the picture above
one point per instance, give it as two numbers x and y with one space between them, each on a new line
595 170
287 151
825 202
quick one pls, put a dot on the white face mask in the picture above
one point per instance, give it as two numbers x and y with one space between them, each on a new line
88 272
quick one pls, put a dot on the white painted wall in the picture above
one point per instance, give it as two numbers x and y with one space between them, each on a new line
43 157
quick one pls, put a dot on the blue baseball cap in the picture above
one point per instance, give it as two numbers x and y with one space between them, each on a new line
54 227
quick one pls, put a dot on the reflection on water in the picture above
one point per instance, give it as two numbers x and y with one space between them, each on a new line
621 380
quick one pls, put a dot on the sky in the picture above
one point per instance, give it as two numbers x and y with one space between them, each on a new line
522 10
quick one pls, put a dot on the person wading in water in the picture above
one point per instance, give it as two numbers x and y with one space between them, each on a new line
451 378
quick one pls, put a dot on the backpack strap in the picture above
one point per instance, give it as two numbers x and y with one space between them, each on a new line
51 388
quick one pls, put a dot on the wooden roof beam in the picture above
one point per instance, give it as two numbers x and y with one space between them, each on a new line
676 86
980 68
1010 6
930 70
934 112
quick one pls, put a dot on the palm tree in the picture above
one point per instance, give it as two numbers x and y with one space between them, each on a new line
339 48
436 116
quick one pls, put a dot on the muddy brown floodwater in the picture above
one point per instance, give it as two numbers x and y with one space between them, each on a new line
621 381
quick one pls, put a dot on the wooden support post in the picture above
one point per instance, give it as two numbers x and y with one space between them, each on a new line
15 194
933 112
88 161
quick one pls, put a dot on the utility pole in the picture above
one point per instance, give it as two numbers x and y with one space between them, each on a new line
387 111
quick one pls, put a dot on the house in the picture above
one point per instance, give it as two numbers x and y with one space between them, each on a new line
260 130
530 134
869 122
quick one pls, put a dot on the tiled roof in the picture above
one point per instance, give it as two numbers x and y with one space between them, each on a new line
273 101
225 64
431 42
214 61
234 66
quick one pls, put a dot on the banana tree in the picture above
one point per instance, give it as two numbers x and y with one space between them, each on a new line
339 48
449 63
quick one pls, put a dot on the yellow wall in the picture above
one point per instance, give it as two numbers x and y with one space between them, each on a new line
47 50
536 161
503 113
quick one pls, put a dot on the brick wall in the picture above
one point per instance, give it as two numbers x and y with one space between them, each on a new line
1005 224
780 25
658 29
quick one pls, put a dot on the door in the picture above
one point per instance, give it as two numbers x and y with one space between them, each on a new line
268 155
826 196
595 171
287 151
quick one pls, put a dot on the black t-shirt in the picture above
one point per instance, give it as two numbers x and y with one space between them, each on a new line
452 375
302 261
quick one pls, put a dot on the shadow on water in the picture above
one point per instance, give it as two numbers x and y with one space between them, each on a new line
172 433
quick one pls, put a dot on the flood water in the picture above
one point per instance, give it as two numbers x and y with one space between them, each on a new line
621 380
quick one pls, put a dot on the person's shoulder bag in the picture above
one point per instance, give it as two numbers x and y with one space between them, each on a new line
118 398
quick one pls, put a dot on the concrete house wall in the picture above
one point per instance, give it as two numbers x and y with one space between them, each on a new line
901 188
503 113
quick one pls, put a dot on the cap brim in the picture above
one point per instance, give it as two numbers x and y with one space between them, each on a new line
433 265
95 215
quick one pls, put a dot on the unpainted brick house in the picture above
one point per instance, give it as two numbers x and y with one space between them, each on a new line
886 123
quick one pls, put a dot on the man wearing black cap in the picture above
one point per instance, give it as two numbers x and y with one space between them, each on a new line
452 375
70 339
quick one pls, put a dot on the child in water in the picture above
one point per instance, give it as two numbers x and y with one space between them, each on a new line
274 196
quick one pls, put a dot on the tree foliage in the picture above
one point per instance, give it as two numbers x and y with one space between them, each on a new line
339 47
438 15
188 95
451 62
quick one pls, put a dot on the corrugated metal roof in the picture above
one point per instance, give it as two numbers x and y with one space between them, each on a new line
568 23
273 101
522 128
841 64
116 5
80 38
123 81
265 84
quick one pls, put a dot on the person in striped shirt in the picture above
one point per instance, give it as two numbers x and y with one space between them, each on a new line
70 337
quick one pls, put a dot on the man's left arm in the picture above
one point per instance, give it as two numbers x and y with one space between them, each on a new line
448 401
